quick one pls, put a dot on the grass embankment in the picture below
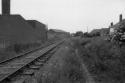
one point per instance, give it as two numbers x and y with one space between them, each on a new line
105 60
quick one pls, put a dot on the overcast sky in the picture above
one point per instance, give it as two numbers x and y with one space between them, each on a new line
71 15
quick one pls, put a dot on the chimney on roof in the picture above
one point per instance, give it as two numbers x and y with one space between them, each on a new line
5 7
120 18
111 23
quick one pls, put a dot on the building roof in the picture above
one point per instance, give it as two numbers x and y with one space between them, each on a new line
57 30
102 30
119 25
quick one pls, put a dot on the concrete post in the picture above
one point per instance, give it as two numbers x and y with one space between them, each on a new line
5 7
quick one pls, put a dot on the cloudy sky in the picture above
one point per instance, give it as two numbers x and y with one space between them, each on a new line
71 15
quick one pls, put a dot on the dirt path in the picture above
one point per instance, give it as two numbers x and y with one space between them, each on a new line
89 78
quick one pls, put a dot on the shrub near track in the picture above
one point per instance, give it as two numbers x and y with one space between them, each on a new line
104 59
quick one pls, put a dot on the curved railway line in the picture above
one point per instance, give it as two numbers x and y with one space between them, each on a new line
17 69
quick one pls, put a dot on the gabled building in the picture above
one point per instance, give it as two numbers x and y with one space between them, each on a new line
118 26
52 33
101 32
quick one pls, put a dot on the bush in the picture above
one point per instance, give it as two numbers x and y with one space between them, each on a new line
105 60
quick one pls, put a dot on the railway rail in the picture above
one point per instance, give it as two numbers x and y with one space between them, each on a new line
19 68
49 42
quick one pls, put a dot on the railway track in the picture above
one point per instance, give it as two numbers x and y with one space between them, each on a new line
49 42
17 69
